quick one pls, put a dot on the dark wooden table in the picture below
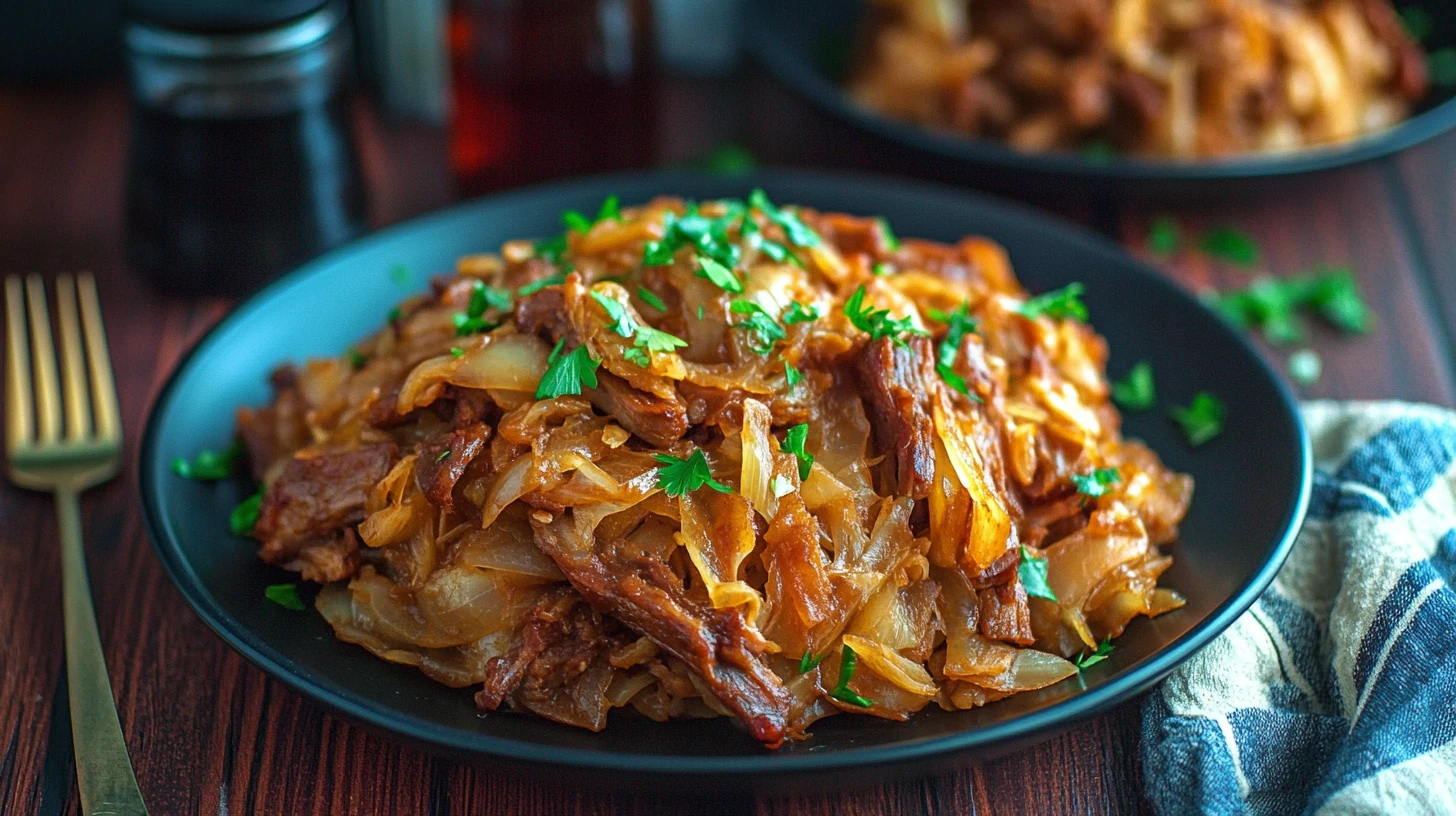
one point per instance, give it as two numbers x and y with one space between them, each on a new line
211 734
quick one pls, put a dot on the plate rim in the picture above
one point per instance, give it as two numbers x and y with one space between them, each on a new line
1024 728
768 46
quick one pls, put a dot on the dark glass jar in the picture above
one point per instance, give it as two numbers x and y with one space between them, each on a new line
243 160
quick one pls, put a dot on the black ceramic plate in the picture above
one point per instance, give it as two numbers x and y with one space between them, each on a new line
805 43
1251 494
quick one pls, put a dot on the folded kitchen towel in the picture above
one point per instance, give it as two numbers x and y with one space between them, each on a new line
1336 692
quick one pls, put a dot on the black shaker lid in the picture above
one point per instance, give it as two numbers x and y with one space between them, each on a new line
220 16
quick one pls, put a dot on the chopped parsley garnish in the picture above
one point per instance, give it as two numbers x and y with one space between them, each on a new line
536 286
658 340
1136 393
285 595
552 248
207 465
799 313
793 375
720 275
1164 236
444 454
622 321
568 373
881 269
456 351
465 324
1305 366
700 311
1441 67
1057 304
400 274
794 441
959 323
1095 484
357 359
763 330
708 237
782 486
1086 661
395 314
1272 304
646 295
1231 246
892 242
638 356
1417 22
611 208
641 334
809 661
1033 574
679 477
482 297
576 222
841 690
795 230
1202 420
877 322
245 515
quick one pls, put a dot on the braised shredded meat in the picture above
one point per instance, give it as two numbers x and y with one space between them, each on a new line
693 458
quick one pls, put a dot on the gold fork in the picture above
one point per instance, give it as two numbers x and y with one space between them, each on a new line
42 457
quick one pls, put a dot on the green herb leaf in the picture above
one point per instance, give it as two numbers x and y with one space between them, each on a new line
1441 67
1231 246
285 595
658 340
959 323
1417 22
1164 236
794 441
809 661
799 313
1033 574
484 297
1086 661
611 208
207 465
1136 392
622 321
795 230
245 515
466 325
400 274
678 477
646 296
638 356
536 286
793 375
881 269
841 692
456 351
657 253
568 373
576 222
782 486
1305 366
357 359
877 322
1202 420
1058 304
444 454
892 243
1272 304
1336 297
763 330
552 249
720 275
1095 484
395 314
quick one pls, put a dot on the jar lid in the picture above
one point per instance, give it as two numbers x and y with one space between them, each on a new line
220 16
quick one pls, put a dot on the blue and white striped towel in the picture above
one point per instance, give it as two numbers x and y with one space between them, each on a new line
1336 693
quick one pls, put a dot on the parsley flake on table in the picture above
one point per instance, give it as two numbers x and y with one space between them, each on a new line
841 691
647 296
1058 304
245 516
568 373
679 477
798 233
285 595
809 661
1305 366
1165 237
794 440
799 313
793 375
208 465
720 275
763 330
1086 661
1033 574
1136 392
1273 304
1095 484
536 286
958 323
1230 245
877 322
1202 420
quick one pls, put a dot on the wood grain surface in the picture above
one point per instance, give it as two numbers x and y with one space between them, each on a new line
211 734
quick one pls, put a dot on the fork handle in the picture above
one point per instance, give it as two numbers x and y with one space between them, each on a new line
103 769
